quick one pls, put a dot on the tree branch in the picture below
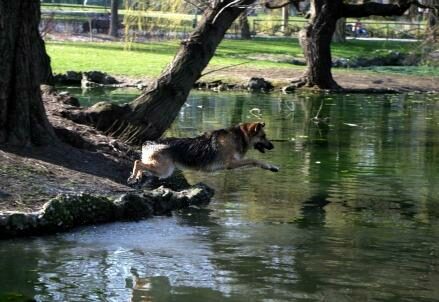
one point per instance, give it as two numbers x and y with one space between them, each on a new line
225 67
241 4
293 2
274 6
425 6
374 9
199 7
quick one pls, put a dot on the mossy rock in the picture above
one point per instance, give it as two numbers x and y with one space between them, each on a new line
66 211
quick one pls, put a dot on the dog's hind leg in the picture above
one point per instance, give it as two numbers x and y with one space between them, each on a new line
161 167
136 169
251 163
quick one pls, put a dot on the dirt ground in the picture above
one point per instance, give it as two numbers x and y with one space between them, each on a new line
350 80
280 77
30 177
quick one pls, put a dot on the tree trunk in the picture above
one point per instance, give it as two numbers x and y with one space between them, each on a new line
339 35
244 26
432 22
148 116
24 65
285 17
315 40
413 14
114 21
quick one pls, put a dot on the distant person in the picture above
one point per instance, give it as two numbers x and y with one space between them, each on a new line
359 30
85 2
357 27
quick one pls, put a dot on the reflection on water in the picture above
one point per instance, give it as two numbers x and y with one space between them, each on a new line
351 216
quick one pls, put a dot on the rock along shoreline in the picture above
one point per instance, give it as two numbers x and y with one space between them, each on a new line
65 212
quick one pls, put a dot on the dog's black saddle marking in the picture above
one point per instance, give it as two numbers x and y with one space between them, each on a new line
193 152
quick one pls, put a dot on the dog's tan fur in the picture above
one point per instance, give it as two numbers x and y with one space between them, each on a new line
230 147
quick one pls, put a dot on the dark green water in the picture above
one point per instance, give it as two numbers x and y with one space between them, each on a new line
351 216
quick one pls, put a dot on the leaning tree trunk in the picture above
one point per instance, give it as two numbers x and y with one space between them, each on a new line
24 65
315 40
148 116
114 20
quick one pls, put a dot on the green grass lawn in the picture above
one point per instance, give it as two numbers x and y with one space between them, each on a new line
148 59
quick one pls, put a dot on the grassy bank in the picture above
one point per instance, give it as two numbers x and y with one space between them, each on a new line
148 59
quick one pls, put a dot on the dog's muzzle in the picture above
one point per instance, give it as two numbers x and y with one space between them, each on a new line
262 146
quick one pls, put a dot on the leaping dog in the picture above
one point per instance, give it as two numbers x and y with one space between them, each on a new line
211 151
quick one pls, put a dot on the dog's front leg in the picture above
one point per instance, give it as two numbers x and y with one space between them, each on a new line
251 163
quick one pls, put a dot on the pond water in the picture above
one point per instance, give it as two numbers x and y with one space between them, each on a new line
353 214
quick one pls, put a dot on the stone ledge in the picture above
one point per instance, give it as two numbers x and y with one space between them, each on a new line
65 212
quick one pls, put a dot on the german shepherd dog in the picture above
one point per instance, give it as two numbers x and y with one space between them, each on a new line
217 150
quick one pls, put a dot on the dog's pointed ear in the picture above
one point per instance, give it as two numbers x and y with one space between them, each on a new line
259 126
252 128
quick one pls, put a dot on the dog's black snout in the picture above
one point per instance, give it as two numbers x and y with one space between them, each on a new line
269 146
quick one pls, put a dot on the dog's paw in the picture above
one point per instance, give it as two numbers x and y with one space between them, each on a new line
131 180
274 168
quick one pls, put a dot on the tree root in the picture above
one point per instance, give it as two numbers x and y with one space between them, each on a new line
305 82
113 120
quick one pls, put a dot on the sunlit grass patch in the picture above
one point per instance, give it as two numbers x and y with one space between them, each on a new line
149 59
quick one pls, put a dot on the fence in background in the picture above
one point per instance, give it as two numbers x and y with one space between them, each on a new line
368 29
90 23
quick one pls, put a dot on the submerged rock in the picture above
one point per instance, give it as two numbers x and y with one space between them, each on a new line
67 211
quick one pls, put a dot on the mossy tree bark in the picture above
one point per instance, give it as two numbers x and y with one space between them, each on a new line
148 116
24 65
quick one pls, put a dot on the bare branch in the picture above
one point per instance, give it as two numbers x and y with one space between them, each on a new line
225 67
235 2
271 6
379 9
424 6
194 4
293 2
373 9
